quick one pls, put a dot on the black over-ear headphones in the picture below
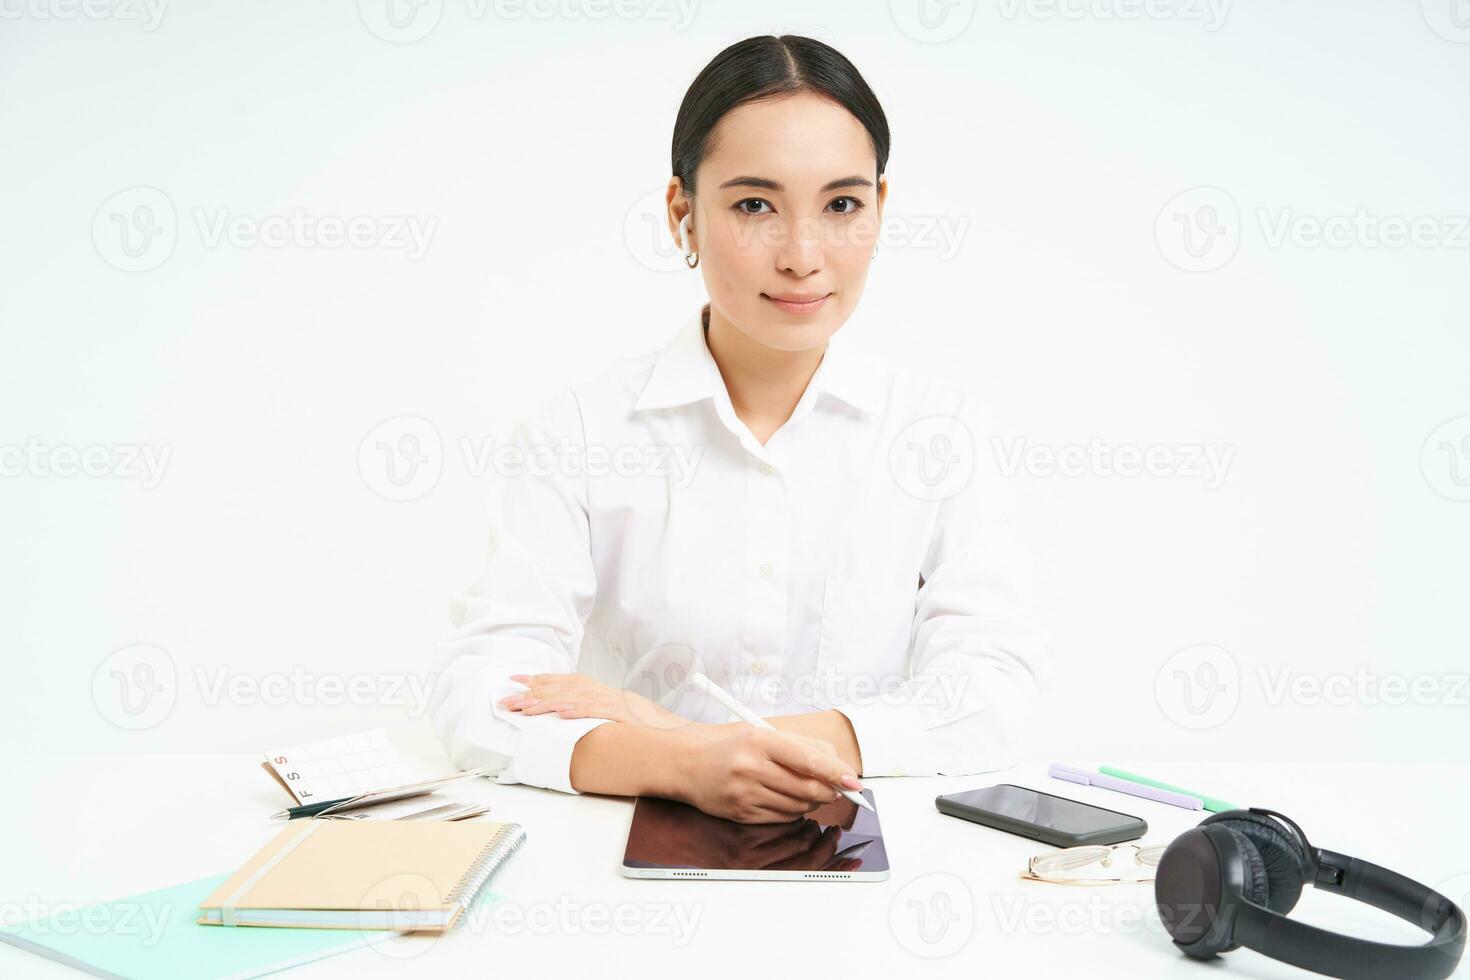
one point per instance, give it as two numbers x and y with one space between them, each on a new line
1231 880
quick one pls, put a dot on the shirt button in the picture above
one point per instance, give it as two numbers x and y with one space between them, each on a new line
767 469
758 667
900 771
765 569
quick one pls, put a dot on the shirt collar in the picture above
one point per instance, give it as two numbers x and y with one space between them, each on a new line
686 372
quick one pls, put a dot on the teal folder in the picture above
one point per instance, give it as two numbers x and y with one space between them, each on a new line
156 936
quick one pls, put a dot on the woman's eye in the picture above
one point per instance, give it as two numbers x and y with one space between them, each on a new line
854 205
741 205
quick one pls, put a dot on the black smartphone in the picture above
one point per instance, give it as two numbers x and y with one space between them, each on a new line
1042 816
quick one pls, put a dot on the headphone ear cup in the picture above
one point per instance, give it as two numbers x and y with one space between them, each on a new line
1257 885
1282 858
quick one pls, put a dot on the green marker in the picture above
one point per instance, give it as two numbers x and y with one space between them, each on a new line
1210 803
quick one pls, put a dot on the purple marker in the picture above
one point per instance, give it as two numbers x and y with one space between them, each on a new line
1073 774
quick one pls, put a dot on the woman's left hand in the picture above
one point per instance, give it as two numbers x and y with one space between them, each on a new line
579 696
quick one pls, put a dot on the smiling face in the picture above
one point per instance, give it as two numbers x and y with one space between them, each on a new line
786 211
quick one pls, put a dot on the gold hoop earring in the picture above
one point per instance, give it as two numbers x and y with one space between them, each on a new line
695 262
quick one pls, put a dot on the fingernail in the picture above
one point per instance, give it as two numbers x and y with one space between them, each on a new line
520 677
529 702
851 782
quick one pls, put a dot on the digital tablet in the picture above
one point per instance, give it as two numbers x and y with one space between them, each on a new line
839 841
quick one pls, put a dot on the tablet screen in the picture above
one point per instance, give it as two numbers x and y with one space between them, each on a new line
838 836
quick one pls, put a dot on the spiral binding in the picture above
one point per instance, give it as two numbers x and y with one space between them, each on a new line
501 846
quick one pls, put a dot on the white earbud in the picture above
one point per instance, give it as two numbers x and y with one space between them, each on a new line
684 234
690 259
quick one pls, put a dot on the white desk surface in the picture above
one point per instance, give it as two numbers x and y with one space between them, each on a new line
89 828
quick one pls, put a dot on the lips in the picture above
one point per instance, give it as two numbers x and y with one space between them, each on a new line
798 303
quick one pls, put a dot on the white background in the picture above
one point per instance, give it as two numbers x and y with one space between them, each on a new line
1052 144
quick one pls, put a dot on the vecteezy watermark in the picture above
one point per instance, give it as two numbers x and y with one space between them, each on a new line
148 14
1198 687
137 230
1450 19
143 924
1201 686
122 461
932 21
407 233
826 686
1362 229
676 921
942 234
933 916
402 458
1198 230
1210 14
310 688
1210 464
1361 686
406 21
409 896
136 687
933 458
1445 459
648 240
1073 914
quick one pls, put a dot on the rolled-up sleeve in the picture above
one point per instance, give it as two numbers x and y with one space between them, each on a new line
526 612
978 659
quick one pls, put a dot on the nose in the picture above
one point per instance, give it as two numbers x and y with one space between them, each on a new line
801 252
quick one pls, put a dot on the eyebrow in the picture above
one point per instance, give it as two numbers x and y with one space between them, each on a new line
773 185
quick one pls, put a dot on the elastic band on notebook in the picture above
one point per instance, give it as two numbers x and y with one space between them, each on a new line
227 910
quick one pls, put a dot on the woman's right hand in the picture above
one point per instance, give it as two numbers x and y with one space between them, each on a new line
756 775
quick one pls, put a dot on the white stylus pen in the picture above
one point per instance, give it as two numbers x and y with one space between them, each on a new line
740 711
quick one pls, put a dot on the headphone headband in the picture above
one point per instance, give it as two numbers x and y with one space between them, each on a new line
1335 954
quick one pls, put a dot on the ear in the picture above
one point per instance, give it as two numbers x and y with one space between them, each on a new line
678 204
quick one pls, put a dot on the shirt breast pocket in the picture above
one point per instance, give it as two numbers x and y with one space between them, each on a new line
864 641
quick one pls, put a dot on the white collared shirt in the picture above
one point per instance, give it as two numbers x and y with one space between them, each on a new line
850 562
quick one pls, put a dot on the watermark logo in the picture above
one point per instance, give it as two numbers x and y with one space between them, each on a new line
402 458
646 234
136 687
1198 687
1445 459
407 898
1198 230
933 458
932 21
136 230
933 916
1450 19
400 21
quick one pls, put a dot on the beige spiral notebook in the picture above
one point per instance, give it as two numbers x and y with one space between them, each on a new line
329 874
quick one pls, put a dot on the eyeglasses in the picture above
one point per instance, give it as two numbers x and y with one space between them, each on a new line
1095 864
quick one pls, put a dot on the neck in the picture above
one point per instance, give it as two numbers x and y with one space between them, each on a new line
764 383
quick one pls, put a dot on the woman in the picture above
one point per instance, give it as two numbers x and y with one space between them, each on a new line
757 501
